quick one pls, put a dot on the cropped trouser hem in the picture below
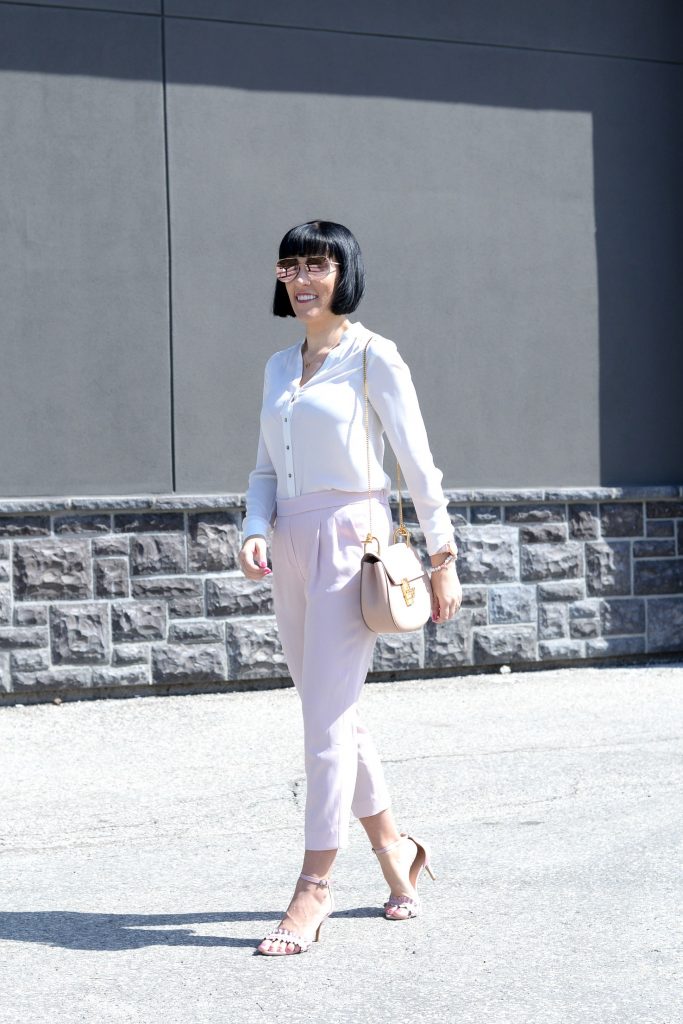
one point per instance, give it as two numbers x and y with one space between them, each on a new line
322 840
316 548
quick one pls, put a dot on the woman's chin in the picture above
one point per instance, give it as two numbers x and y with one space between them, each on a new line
308 313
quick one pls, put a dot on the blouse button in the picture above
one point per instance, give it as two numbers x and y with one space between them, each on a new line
287 446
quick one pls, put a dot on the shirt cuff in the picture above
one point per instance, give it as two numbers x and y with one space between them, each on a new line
255 525
444 545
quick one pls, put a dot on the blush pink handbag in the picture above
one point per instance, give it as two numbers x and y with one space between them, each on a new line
395 588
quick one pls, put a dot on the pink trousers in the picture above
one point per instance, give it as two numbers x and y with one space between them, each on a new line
316 548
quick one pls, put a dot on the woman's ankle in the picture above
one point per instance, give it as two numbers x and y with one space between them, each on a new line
388 845
318 863
395 864
381 829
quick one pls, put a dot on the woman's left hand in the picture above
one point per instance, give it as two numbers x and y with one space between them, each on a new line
446 594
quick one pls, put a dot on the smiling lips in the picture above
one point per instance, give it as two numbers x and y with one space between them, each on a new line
306 297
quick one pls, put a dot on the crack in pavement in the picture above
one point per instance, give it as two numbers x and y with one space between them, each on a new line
533 750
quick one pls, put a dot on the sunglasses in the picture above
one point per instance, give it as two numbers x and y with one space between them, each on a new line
316 266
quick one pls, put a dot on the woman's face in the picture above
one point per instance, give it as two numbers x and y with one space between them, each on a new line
311 296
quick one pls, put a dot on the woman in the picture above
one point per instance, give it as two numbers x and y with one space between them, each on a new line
310 484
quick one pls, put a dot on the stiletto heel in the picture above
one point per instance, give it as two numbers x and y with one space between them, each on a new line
395 905
285 937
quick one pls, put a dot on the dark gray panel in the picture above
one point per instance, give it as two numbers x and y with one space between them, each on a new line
642 28
84 388
129 6
475 216
528 168
639 225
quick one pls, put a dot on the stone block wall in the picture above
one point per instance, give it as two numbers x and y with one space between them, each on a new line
103 596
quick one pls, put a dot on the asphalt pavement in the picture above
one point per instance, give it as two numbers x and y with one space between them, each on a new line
147 845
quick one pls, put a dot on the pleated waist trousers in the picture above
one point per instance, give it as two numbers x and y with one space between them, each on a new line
316 548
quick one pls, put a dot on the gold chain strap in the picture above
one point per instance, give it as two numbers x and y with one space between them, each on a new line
400 529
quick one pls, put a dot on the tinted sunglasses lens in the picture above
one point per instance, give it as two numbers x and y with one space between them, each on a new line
318 265
286 270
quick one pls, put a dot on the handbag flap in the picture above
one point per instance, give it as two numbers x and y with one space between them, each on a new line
401 563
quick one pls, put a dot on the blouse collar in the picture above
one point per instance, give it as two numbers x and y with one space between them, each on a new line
347 338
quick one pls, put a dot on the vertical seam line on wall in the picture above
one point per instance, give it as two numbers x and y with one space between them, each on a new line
168 244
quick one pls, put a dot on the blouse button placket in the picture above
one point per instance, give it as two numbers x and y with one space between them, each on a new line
287 431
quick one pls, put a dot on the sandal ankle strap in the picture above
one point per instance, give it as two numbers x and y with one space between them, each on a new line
385 849
322 882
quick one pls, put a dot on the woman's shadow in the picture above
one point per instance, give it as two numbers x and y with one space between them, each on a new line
79 930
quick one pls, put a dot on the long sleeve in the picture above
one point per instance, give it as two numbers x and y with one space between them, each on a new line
261 491
392 394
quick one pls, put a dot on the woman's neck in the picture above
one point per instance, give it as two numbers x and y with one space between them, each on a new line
323 337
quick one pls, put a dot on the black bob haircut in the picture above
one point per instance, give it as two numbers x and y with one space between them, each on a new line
325 238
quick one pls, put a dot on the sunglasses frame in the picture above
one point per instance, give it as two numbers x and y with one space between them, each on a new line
303 261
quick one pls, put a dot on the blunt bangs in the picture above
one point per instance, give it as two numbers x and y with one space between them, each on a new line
325 238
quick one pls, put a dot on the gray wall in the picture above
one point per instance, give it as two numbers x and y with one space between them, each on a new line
511 170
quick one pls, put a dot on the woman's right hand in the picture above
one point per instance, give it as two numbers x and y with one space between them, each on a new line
252 558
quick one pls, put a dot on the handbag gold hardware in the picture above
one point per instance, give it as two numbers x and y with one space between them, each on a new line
408 591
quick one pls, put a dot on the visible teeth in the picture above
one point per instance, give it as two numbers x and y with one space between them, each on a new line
304 298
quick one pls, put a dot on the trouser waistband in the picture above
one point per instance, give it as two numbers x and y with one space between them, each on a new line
326 499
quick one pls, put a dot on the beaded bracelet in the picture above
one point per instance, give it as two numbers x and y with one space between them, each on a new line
446 561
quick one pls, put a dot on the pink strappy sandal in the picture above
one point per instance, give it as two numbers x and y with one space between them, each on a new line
400 908
283 937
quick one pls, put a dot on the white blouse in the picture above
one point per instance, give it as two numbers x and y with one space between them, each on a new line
312 438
